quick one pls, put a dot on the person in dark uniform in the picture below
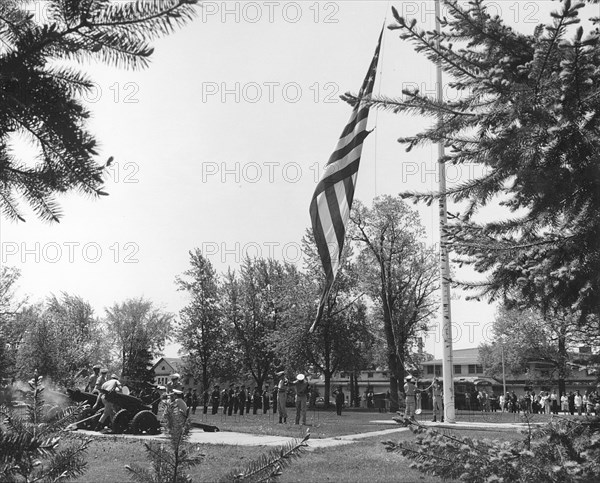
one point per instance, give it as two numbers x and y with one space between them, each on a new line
571 400
274 399
265 399
205 400
188 398
256 400
339 400
225 400
194 401
215 399
370 397
248 400
230 399
242 399
236 399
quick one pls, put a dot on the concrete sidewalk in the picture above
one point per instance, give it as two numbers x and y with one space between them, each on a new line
198 436
469 425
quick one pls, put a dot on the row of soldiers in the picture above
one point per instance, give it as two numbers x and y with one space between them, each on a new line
237 399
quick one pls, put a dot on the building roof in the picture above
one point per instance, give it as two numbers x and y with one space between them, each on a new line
459 356
174 362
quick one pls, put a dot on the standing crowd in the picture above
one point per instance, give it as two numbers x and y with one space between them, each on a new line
548 402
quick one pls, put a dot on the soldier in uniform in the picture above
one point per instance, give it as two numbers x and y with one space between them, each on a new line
409 391
265 400
236 399
225 400
436 397
194 401
301 386
100 380
174 383
91 384
231 401
242 399
110 408
274 399
176 399
215 399
248 400
339 400
205 401
282 396
188 398
256 400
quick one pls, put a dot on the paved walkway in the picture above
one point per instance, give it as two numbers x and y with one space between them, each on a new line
470 425
244 439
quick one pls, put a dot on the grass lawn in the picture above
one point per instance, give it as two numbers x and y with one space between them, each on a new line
366 460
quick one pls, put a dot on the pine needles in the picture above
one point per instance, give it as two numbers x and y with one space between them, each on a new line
269 466
30 449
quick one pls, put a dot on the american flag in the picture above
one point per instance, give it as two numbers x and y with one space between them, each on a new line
332 200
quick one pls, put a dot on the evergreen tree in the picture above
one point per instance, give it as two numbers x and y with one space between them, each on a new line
30 449
41 89
529 116
169 461
12 327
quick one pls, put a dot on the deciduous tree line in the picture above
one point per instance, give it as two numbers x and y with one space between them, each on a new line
62 338
252 320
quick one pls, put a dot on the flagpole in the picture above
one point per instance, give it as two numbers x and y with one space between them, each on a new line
447 366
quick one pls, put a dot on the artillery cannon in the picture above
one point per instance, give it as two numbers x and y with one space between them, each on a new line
134 416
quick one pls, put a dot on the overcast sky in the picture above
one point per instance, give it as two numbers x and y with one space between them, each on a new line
220 143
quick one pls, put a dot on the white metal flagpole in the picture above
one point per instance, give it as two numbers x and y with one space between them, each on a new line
447 366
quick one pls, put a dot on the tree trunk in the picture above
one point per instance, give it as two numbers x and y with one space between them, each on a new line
396 372
327 375
205 380
562 363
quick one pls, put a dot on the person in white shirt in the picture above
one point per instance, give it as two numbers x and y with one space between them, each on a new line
176 399
110 408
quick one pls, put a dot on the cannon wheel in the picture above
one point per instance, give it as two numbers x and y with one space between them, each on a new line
121 421
145 422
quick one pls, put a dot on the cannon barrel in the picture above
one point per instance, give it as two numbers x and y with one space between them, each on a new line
131 403
79 396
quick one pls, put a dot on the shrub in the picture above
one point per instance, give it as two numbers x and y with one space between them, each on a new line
168 463
564 450
29 445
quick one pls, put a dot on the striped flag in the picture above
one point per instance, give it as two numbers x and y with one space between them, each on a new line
331 203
